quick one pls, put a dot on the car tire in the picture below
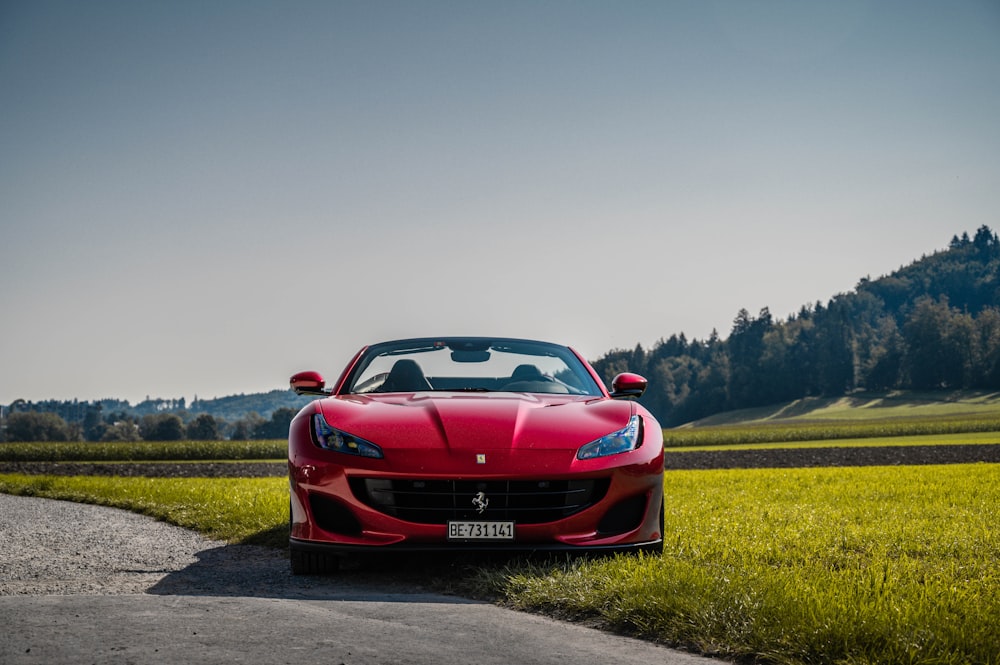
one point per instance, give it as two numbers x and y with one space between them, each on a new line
310 563
313 563
656 549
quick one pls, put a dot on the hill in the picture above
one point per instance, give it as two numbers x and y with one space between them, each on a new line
933 325
865 406
234 407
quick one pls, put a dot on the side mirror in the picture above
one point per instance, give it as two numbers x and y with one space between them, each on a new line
308 383
628 386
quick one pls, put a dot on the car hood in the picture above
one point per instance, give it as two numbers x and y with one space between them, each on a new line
481 421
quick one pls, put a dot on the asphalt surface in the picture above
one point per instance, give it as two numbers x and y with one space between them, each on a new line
404 628
86 584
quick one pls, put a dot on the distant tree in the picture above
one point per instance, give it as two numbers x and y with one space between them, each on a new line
710 394
93 424
203 428
936 345
987 349
672 377
36 426
161 427
984 239
883 368
276 427
239 407
614 363
121 430
833 351
243 429
747 384
961 349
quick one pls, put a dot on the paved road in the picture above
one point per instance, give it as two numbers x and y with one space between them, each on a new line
84 584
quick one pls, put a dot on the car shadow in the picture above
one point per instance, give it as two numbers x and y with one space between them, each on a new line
248 570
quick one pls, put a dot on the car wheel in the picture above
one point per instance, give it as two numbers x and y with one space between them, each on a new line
310 563
656 549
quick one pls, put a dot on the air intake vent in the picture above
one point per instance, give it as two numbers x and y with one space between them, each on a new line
333 516
437 501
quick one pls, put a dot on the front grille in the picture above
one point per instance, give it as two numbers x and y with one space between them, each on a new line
438 501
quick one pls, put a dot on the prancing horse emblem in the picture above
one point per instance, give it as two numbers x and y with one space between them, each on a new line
480 502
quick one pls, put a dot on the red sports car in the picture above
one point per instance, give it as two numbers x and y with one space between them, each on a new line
452 443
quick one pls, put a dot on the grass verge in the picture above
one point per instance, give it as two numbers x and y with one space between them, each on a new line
966 438
860 565
142 451
831 432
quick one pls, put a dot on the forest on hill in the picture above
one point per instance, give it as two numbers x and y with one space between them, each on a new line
931 325
243 416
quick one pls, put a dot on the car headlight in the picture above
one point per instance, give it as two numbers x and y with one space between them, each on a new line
329 438
622 441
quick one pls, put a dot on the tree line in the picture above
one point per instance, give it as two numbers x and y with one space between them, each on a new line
241 417
932 325
49 426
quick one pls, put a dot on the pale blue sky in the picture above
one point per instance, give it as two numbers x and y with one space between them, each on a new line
204 197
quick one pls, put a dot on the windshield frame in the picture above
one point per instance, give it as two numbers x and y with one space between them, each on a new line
580 380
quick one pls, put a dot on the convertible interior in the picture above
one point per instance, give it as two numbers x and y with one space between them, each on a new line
406 376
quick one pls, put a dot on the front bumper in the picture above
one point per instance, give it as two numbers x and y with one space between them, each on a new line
330 515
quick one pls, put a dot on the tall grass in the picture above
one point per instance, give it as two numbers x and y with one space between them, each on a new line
80 451
861 565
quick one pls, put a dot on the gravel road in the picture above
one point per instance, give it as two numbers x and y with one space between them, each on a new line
62 548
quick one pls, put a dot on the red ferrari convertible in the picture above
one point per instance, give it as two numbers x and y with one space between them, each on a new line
471 443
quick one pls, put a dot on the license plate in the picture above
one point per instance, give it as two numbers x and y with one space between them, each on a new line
480 531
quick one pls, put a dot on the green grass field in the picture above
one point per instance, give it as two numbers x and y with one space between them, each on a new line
879 416
860 565
142 451
868 407
739 441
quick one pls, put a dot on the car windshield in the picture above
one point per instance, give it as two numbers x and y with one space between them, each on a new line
471 364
